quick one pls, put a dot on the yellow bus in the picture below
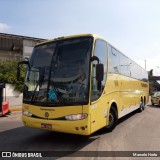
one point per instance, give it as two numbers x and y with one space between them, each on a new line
80 84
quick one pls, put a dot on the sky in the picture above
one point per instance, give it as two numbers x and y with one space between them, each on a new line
132 26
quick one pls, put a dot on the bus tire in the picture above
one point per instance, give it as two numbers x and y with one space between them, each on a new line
141 106
112 119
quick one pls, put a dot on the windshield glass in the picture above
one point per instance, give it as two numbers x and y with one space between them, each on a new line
59 73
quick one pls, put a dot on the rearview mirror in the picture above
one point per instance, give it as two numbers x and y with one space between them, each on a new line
99 72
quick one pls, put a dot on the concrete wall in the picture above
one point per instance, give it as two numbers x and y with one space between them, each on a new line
28 47
9 54
13 97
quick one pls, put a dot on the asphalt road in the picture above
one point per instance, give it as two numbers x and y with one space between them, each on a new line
135 132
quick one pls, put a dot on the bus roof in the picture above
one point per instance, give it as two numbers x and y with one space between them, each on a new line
83 35
68 37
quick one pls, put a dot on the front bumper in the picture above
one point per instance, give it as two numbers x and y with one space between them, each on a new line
81 127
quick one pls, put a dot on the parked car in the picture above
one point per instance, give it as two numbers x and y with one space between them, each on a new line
155 98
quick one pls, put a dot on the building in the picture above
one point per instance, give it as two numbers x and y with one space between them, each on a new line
16 46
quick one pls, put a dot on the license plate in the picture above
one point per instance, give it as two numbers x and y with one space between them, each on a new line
48 126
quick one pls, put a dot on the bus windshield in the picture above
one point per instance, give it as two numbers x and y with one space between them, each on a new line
59 73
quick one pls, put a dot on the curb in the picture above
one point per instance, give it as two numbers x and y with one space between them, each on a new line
19 108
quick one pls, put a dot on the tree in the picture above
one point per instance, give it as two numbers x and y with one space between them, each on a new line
8 71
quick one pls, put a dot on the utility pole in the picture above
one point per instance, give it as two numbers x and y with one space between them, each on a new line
145 63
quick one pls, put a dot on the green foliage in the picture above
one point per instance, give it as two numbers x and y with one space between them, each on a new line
8 73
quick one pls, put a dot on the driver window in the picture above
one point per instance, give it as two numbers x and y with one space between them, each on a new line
100 50
32 78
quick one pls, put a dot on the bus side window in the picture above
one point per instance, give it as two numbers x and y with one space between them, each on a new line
100 51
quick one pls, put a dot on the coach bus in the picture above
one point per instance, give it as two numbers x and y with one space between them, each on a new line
80 84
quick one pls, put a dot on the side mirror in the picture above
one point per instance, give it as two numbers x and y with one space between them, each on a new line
99 72
95 58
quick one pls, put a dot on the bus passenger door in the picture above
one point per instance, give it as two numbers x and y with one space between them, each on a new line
98 106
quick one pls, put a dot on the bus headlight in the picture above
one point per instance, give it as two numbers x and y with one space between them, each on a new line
75 117
26 113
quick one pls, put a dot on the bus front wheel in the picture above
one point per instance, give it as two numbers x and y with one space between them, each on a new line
112 119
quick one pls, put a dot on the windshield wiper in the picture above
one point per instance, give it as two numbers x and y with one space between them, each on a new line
34 96
39 83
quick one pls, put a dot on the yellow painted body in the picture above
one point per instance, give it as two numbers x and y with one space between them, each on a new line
57 125
124 91
118 89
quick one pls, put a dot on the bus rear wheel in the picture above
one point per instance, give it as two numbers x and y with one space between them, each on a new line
141 106
112 119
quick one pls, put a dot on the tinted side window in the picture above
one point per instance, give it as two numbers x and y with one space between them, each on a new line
125 65
120 64
113 60
138 73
